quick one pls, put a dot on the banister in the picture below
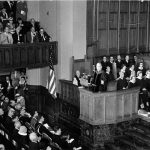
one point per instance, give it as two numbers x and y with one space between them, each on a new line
27 55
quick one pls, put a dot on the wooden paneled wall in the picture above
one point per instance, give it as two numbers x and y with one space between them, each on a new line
117 27
34 55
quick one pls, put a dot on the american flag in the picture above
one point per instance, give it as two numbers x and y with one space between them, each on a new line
51 85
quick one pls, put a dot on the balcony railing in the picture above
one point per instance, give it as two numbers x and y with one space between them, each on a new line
27 55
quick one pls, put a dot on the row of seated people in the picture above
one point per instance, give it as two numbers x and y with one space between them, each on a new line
129 76
110 70
14 8
119 62
19 33
30 131
15 82
16 29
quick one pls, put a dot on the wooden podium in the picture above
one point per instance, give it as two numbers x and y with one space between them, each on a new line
108 107
100 114
96 117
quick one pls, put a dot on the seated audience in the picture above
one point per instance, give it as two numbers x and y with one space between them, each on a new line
132 82
141 68
1 116
43 36
15 134
34 143
34 119
135 61
127 61
76 79
41 128
119 63
37 143
121 82
6 37
104 63
147 81
5 104
124 69
22 137
131 71
1 27
109 74
9 124
24 117
110 63
11 26
2 147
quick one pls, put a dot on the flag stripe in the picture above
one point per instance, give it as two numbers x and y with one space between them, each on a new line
51 86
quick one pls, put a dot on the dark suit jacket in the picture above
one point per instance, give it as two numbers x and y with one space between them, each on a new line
121 83
35 39
11 10
45 39
15 38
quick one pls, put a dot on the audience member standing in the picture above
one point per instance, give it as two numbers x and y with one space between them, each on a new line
6 37
127 61
34 24
32 36
3 16
99 80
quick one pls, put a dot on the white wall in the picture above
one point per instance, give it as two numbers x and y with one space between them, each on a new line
37 76
65 21
33 10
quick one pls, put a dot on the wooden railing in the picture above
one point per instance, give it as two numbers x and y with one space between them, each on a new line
27 55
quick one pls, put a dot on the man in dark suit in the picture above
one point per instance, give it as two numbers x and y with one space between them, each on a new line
110 63
99 79
104 63
119 62
43 36
10 8
121 81
32 36
127 61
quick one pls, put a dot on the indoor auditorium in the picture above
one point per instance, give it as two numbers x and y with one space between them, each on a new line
75 75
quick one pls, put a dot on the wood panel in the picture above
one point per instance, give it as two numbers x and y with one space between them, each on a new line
27 55
123 27
103 108
38 99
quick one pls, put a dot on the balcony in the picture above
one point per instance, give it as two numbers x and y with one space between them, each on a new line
27 55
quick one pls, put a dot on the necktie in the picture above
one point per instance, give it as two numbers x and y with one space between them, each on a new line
7 40
43 38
